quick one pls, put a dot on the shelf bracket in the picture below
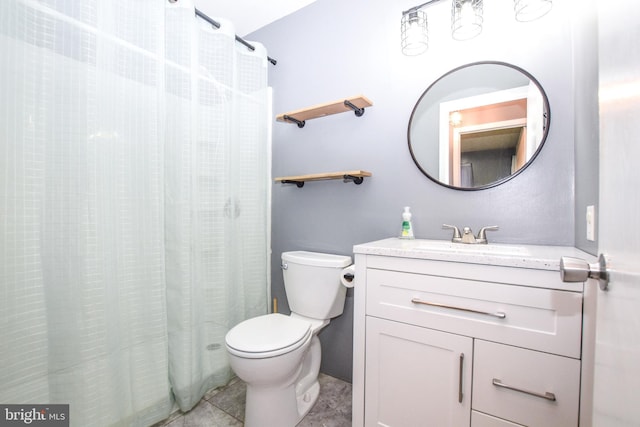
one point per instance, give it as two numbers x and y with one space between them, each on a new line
298 184
357 180
300 123
359 111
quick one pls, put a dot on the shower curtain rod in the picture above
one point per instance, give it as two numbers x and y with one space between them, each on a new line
238 39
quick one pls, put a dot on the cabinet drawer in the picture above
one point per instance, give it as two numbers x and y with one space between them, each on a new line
478 419
524 386
541 319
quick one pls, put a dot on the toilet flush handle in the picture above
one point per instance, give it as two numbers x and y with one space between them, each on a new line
284 266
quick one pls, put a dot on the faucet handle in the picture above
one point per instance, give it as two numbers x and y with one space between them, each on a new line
482 235
456 232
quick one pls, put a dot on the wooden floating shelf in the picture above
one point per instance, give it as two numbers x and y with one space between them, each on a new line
356 104
356 176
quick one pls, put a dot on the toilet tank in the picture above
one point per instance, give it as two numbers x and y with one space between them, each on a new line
312 283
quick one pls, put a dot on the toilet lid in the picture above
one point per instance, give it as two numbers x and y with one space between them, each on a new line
268 334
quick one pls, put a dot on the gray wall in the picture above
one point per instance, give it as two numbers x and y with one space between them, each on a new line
585 40
333 49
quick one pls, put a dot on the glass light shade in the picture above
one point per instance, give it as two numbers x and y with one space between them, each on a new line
466 19
414 33
529 10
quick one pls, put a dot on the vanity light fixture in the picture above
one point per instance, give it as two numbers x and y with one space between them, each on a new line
466 21
530 10
414 30
414 33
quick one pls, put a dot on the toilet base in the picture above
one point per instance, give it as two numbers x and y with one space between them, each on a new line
308 399
286 406
290 408
269 407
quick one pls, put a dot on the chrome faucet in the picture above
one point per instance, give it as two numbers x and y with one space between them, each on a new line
457 238
467 235
482 234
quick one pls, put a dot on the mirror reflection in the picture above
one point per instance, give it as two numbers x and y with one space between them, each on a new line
478 125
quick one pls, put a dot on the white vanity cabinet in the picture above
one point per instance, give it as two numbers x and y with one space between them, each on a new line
450 339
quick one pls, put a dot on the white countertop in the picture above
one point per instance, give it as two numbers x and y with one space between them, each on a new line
537 257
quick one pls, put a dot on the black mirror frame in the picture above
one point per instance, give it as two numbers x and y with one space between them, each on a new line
547 122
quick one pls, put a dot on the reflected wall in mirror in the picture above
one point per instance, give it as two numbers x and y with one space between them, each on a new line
478 125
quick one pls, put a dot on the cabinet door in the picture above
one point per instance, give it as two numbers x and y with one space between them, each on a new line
416 376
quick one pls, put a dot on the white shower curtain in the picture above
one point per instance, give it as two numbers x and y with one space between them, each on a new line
217 195
133 207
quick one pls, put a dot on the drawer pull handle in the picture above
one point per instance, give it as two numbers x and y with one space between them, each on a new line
460 378
498 314
547 395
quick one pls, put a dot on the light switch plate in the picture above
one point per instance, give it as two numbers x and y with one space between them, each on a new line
591 223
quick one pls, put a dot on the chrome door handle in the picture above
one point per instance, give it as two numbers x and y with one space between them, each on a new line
546 395
497 314
579 270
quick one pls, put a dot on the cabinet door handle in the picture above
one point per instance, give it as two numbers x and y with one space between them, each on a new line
546 395
460 378
497 314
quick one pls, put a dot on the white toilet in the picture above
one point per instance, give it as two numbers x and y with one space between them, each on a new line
278 356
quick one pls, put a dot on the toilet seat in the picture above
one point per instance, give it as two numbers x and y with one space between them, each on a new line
269 335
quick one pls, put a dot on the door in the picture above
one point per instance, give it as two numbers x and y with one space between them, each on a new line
416 376
617 354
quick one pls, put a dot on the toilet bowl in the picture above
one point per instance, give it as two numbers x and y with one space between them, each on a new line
278 356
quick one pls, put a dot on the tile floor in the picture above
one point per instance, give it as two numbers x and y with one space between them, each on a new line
224 407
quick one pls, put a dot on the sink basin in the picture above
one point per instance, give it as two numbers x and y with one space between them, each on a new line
488 249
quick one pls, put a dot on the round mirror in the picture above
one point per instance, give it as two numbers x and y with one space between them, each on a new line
478 125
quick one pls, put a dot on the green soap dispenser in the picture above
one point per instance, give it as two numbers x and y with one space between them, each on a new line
407 226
